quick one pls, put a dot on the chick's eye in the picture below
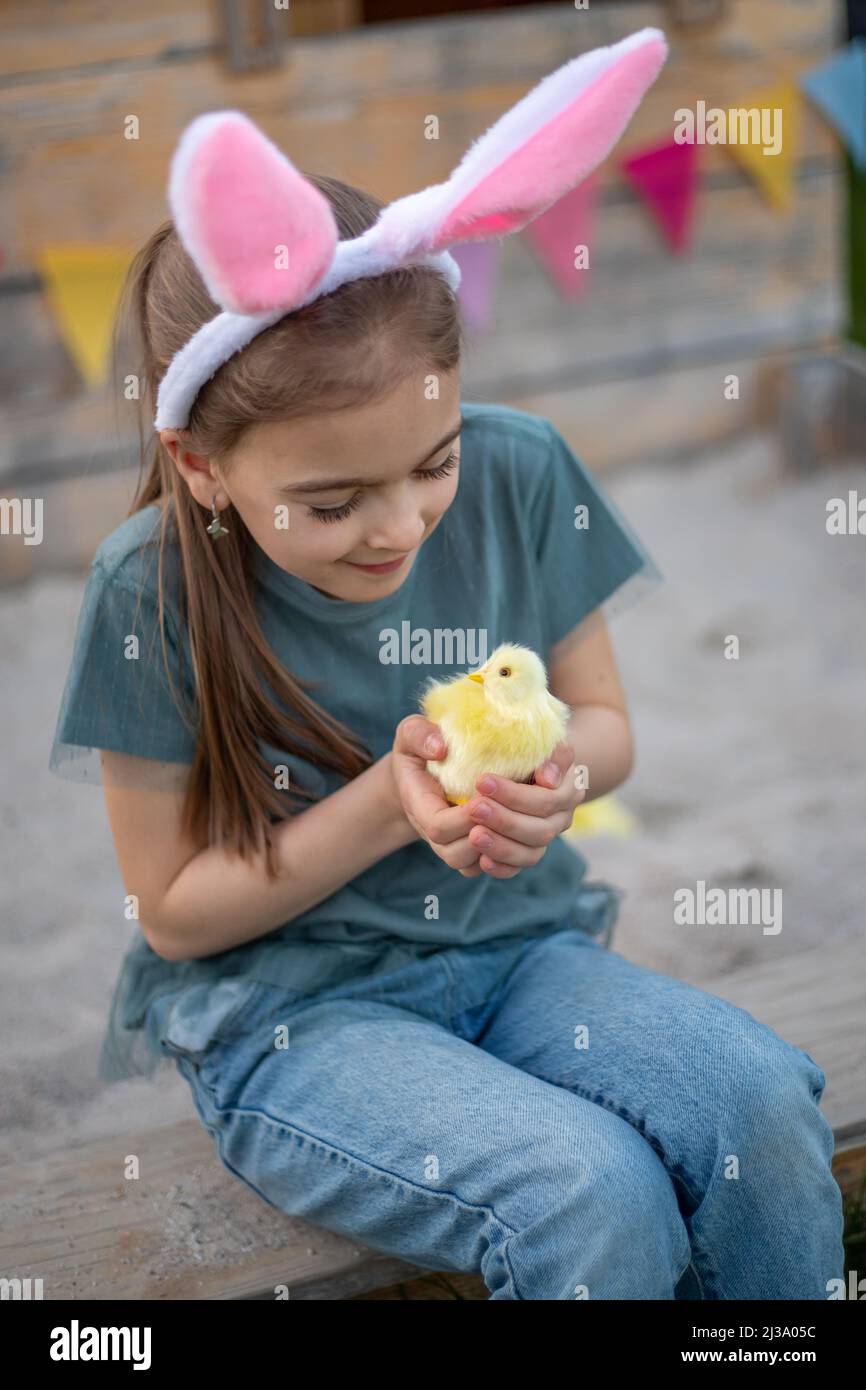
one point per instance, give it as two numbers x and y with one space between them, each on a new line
505 670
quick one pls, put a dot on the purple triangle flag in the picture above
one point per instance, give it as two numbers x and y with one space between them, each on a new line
478 261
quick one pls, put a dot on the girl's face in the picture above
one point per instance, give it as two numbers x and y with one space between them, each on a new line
325 496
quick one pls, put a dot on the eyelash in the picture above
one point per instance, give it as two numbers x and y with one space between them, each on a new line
338 513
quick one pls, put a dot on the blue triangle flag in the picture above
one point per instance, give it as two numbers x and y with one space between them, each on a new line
838 89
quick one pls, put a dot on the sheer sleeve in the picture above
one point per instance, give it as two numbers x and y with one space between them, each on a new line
589 559
117 693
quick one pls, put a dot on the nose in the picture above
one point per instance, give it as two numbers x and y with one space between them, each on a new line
397 526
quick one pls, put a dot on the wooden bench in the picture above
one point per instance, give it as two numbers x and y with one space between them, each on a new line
186 1229
189 1229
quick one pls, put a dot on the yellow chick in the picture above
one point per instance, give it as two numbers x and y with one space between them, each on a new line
501 718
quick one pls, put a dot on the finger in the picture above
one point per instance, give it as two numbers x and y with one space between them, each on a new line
426 798
412 734
504 850
537 830
448 823
495 870
528 798
461 855
551 773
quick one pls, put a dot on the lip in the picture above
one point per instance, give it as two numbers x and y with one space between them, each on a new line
379 569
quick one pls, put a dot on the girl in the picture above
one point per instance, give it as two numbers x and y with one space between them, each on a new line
398 1018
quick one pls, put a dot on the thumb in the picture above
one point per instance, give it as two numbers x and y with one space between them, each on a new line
419 736
552 771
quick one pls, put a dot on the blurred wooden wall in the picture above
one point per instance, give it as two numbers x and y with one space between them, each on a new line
632 370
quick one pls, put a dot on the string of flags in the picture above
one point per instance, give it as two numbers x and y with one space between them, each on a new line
666 175
82 282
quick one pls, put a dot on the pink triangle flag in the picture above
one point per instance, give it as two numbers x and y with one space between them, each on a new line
561 237
478 265
666 177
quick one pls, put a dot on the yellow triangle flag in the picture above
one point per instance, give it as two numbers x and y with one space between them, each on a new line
779 108
603 816
82 285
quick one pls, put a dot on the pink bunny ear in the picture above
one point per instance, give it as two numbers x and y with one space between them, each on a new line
260 233
539 150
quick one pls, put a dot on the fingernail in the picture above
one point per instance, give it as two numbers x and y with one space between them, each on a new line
482 810
487 784
432 744
553 773
484 841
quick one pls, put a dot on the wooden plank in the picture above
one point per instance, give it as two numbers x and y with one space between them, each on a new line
62 133
187 1228
814 999
41 37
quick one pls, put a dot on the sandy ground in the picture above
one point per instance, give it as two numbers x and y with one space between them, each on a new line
749 773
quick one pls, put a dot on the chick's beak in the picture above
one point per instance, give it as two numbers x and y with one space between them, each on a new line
476 676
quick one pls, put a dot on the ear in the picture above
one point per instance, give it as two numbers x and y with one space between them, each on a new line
260 234
539 150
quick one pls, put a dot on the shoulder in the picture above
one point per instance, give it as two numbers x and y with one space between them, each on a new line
128 557
510 454
502 431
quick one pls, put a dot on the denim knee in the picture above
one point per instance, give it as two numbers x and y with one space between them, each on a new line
768 1093
614 1230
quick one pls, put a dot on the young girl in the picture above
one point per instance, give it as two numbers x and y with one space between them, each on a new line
398 1017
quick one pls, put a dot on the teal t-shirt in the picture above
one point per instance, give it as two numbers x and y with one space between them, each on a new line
515 558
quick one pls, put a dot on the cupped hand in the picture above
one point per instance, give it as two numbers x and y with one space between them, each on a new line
445 827
523 818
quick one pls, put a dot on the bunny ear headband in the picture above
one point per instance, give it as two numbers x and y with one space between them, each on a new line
265 241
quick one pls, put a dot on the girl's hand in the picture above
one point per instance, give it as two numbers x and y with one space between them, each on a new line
524 818
444 827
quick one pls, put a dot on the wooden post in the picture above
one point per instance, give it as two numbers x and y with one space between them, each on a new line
856 229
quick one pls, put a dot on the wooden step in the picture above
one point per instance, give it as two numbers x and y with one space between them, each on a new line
186 1228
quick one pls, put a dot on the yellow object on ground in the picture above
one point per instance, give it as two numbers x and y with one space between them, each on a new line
603 816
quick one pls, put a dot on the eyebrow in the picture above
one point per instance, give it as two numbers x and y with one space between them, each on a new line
328 484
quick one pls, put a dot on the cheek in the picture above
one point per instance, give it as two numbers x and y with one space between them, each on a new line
442 494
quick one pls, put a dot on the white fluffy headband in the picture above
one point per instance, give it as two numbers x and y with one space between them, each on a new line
265 241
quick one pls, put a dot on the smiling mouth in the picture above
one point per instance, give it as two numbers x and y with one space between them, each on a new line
378 565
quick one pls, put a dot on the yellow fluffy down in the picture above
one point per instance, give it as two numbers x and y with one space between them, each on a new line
501 718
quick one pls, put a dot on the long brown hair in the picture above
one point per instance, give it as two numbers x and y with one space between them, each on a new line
346 348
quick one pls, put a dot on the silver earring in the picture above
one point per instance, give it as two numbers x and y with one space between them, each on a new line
216 528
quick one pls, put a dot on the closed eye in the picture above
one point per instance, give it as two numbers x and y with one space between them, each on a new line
338 513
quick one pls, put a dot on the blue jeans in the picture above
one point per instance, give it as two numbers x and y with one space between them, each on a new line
540 1111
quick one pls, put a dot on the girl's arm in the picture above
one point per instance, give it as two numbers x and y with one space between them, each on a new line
583 672
195 900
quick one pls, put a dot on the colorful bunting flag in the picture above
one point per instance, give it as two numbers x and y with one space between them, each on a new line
83 286
478 261
666 178
561 237
780 109
838 89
